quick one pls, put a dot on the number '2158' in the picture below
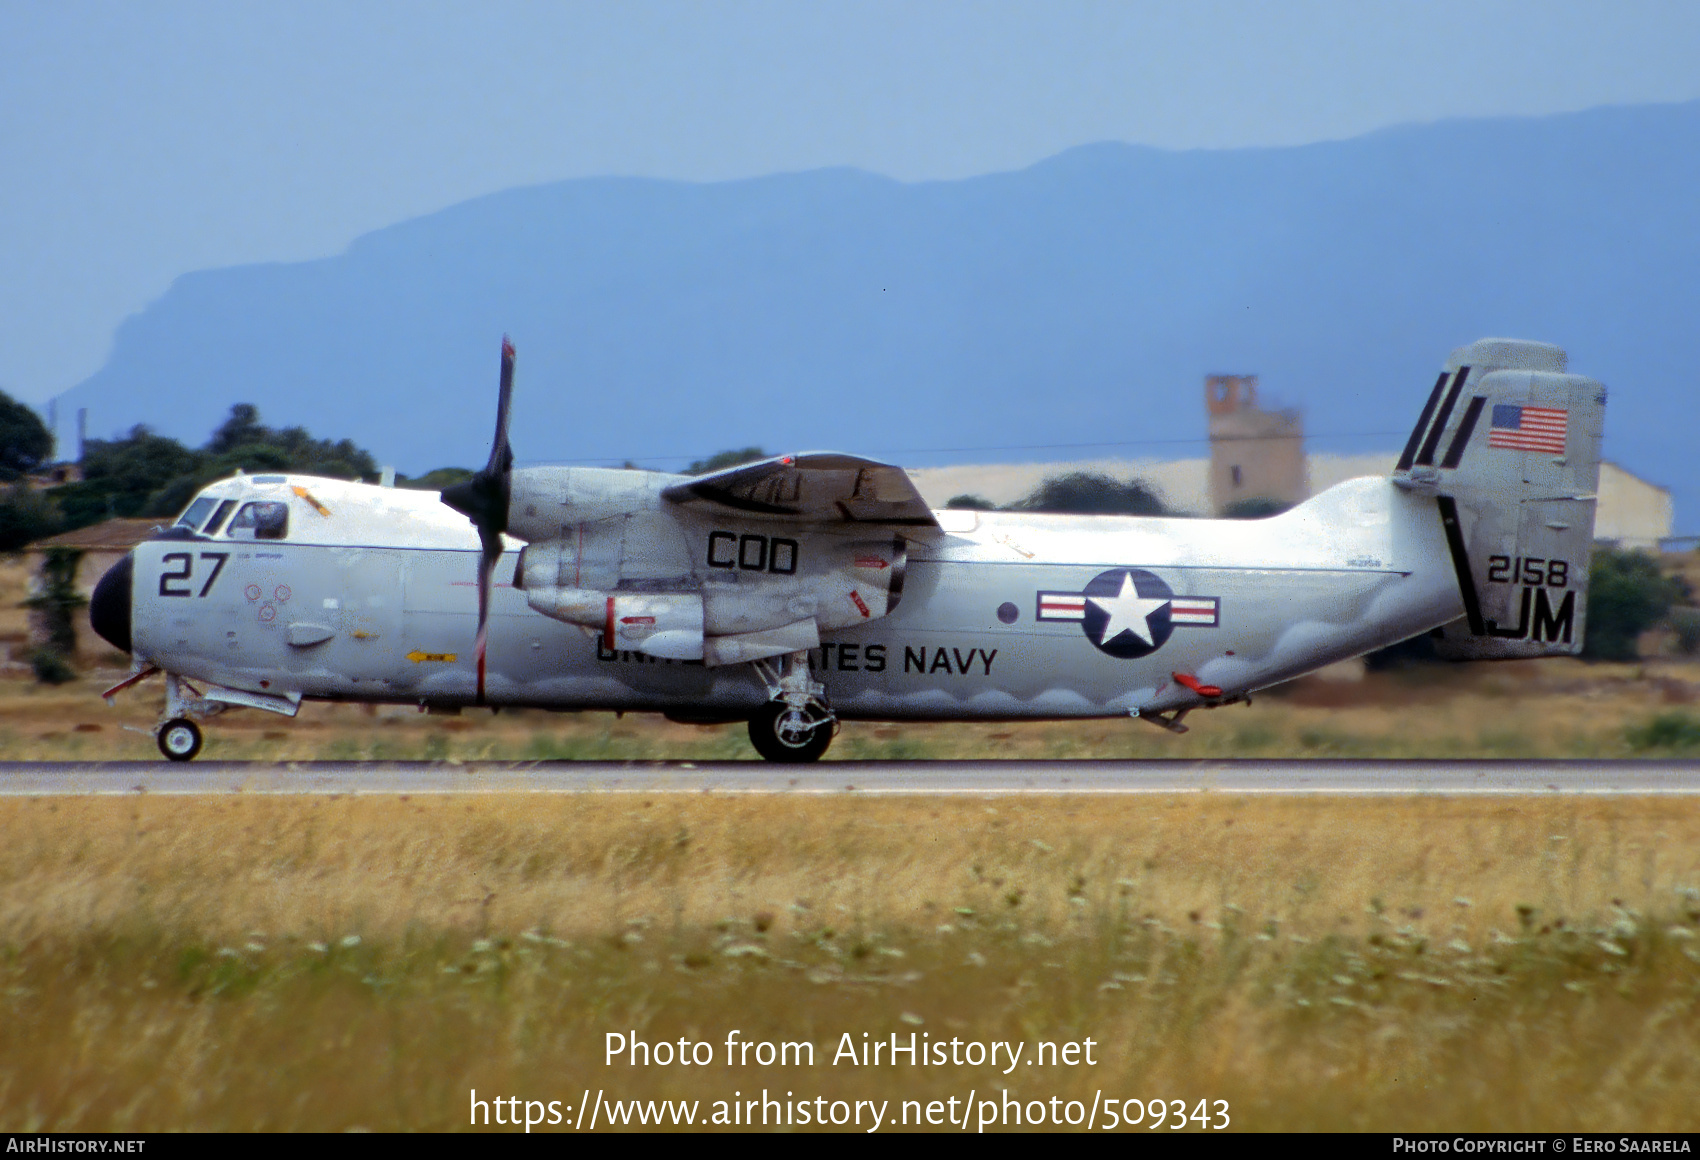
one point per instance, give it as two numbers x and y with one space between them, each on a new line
1530 570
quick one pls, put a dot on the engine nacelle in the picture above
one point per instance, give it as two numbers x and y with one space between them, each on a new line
546 501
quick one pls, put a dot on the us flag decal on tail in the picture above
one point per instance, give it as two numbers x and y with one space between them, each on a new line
1529 428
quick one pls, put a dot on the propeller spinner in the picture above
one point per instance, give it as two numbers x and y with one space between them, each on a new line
484 500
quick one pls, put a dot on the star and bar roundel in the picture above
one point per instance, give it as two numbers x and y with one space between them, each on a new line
1128 612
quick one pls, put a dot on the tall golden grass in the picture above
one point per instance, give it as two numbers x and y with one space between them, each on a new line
328 963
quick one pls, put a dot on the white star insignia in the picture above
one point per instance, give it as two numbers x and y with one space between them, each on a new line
1128 611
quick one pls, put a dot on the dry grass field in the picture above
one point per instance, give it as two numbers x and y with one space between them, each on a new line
250 963
262 963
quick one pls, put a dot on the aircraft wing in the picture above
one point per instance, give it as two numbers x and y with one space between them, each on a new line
813 487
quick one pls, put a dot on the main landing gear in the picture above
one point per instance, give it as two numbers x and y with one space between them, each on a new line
180 739
797 725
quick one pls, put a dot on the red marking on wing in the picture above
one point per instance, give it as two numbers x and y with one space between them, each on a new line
860 607
1191 682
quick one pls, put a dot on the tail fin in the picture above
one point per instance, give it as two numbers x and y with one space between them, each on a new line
1509 446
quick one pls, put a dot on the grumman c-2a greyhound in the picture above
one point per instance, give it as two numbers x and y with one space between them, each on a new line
809 588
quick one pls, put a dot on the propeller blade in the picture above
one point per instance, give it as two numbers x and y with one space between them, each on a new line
501 453
492 552
484 500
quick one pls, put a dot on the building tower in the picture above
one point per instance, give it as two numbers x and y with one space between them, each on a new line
1257 457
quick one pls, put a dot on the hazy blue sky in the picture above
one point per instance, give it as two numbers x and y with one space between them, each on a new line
141 140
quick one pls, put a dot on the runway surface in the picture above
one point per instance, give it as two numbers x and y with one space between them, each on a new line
1623 778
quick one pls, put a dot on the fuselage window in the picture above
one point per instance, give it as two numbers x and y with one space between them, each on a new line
261 520
217 522
197 513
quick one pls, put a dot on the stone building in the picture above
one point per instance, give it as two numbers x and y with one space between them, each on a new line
1256 456
1632 513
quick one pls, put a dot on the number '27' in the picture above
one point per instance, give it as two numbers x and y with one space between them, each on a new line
176 583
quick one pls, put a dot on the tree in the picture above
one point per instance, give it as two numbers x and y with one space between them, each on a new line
1627 594
1090 493
243 441
26 515
436 479
974 503
721 460
144 474
25 441
59 600
1255 509
121 475
241 427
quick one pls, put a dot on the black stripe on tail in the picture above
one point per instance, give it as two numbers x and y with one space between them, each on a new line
1410 452
1425 458
1455 452
1461 563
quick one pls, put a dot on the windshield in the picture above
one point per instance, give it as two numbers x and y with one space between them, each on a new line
260 520
197 513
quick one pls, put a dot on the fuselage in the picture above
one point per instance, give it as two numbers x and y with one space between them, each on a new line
366 593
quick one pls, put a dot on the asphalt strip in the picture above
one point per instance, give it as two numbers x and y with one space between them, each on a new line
913 778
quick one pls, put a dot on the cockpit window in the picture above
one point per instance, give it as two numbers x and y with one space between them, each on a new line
197 513
261 520
222 514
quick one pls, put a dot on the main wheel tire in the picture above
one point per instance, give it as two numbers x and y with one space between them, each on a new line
180 739
775 743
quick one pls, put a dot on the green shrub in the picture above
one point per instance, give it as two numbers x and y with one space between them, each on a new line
51 668
1627 594
59 600
1675 730
1090 493
1257 508
1685 622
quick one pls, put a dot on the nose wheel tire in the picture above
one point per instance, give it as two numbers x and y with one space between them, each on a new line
180 739
778 735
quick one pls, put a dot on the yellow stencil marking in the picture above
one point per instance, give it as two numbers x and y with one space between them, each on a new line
308 496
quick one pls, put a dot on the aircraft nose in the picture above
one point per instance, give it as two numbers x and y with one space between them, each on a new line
109 607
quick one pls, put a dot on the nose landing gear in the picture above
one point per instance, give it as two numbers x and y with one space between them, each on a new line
178 737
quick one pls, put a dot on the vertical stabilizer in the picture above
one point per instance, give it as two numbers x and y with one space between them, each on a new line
1509 446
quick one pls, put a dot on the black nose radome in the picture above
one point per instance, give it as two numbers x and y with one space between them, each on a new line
109 608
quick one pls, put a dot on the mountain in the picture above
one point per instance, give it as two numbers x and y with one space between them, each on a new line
1078 301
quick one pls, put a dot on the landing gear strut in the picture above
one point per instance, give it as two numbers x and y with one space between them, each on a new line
178 737
798 724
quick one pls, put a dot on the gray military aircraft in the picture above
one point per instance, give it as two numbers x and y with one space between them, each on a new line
809 588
